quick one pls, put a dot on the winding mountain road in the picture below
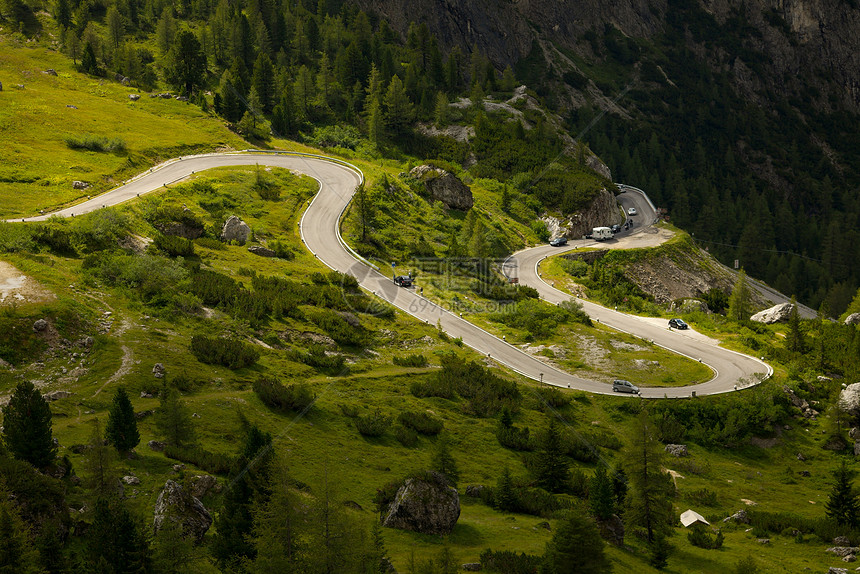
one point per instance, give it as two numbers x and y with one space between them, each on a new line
320 233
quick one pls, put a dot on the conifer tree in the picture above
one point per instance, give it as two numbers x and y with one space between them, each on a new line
398 108
100 477
551 469
843 505
443 461
121 428
27 426
116 538
506 497
17 554
576 546
186 63
600 495
794 339
172 419
740 299
263 80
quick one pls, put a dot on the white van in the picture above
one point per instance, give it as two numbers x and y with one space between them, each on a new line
601 233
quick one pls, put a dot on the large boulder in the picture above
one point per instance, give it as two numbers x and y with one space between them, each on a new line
425 504
612 530
235 230
776 314
444 186
175 504
849 398
852 319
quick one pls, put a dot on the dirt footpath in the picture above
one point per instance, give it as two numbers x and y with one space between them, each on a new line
15 287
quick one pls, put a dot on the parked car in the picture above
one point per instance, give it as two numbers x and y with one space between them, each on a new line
621 386
632 211
615 228
558 242
403 280
678 324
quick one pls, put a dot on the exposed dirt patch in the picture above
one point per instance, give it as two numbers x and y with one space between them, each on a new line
17 287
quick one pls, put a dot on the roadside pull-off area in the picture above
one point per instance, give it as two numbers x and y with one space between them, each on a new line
320 232
16 287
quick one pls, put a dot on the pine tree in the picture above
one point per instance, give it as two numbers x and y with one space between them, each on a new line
17 554
172 419
121 428
576 546
600 495
89 64
443 461
27 426
794 339
375 122
551 468
506 497
843 505
116 537
398 108
186 63
263 79
740 300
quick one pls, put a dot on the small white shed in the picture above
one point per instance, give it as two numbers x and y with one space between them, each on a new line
691 517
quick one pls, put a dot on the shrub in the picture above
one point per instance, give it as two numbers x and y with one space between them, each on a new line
700 537
508 562
317 358
95 143
703 497
210 243
411 361
552 397
515 438
421 422
174 246
373 425
283 398
230 353
211 462
338 328
405 436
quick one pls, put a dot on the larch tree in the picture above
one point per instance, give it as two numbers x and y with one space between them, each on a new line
740 301
576 546
552 470
172 419
842 504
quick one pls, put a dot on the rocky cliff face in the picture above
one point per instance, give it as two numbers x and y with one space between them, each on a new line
799 39
603 211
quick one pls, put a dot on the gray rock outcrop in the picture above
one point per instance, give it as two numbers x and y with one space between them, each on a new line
677 450
261 251
158 371
852 319
849 398
134 97
800 403
131 480
776 314
424 504
175 504
843 550
612 530
235 230
56 395
40 325
203 484
690 306
156 445
740 517
79 184
181 229
444 186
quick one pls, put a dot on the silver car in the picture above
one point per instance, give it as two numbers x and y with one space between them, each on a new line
631 211
621 386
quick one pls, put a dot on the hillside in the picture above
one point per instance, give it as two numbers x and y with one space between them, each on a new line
291 404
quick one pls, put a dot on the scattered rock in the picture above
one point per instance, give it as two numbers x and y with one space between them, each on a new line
852 319
849 558
475 490
56 395
1 86
849 398
841 541
131 480
763 540
425 504
802 404
143 414
472 566
612 529
800 457
158 371
740 517
71 106
690 306
834 570
235 230
178 467
444 186
261 251
50 72
156 445
776 314
203 484
175 504
80 184
40 325
134 97
677 450
843 550
545 525
145 395
805 473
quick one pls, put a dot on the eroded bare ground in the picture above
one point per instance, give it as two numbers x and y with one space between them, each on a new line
15 287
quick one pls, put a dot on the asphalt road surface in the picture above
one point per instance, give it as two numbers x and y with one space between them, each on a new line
320 233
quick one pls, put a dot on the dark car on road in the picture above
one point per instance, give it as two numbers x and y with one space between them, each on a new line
615 228
558 241
403 280
621 386
678 324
